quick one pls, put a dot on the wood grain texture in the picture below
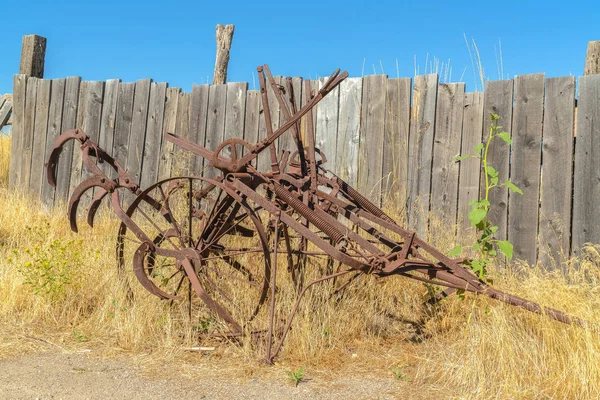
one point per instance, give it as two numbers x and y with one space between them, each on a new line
108 121
139 122
182 163
89 120
26 145
327 125
169 125
198 120
349 130
215 123
252 117
498 99
33 55
38 158
154 134
5 111
586 190
57 97
445 171
287 142
235 110
123 120
592 58
526 159
420 156
264 158
470 169
370 155
395 143
69 121
557 172
19 94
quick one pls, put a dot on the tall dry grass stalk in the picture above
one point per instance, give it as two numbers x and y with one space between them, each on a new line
63 288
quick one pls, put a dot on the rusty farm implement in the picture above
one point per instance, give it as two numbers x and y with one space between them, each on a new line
213 242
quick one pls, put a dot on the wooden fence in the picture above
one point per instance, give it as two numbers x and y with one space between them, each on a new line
392 138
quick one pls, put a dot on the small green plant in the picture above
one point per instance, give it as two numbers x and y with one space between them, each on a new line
297 376
47 265
80 337
487 246
399 374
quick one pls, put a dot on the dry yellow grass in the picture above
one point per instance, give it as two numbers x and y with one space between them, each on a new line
477 348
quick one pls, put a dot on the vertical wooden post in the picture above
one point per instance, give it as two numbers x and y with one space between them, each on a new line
224 38
592 58
33 53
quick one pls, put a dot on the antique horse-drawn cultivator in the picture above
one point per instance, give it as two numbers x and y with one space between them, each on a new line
220 237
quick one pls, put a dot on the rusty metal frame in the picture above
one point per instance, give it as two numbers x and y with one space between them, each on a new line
298 194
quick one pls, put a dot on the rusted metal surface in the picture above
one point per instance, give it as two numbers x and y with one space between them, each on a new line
219 238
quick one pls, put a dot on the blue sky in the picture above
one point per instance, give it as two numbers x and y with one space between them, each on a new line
174 40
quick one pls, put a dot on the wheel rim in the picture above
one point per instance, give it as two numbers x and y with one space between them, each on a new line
222 237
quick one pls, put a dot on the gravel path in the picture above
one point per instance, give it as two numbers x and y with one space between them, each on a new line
63 375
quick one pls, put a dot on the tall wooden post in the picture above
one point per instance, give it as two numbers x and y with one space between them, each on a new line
592 58
33 53
224 38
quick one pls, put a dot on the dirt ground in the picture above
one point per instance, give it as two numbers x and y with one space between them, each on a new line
59 374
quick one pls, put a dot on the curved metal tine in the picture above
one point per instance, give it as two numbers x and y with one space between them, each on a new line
99 195
83 187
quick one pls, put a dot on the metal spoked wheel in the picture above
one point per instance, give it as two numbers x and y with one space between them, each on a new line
201 247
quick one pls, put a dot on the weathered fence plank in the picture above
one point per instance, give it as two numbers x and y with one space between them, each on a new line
526 159
38 155
264 159
69 121
420 154
182 164
19 94
138 128
123 122
557 172
444 178
5 111
215 122
108 120
89 117
370 159
169 125
349 130
327 125
26 145
498 99
395 142
470 169
286 142
198 117
154 132
57 97
586 218
251 117
235 111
